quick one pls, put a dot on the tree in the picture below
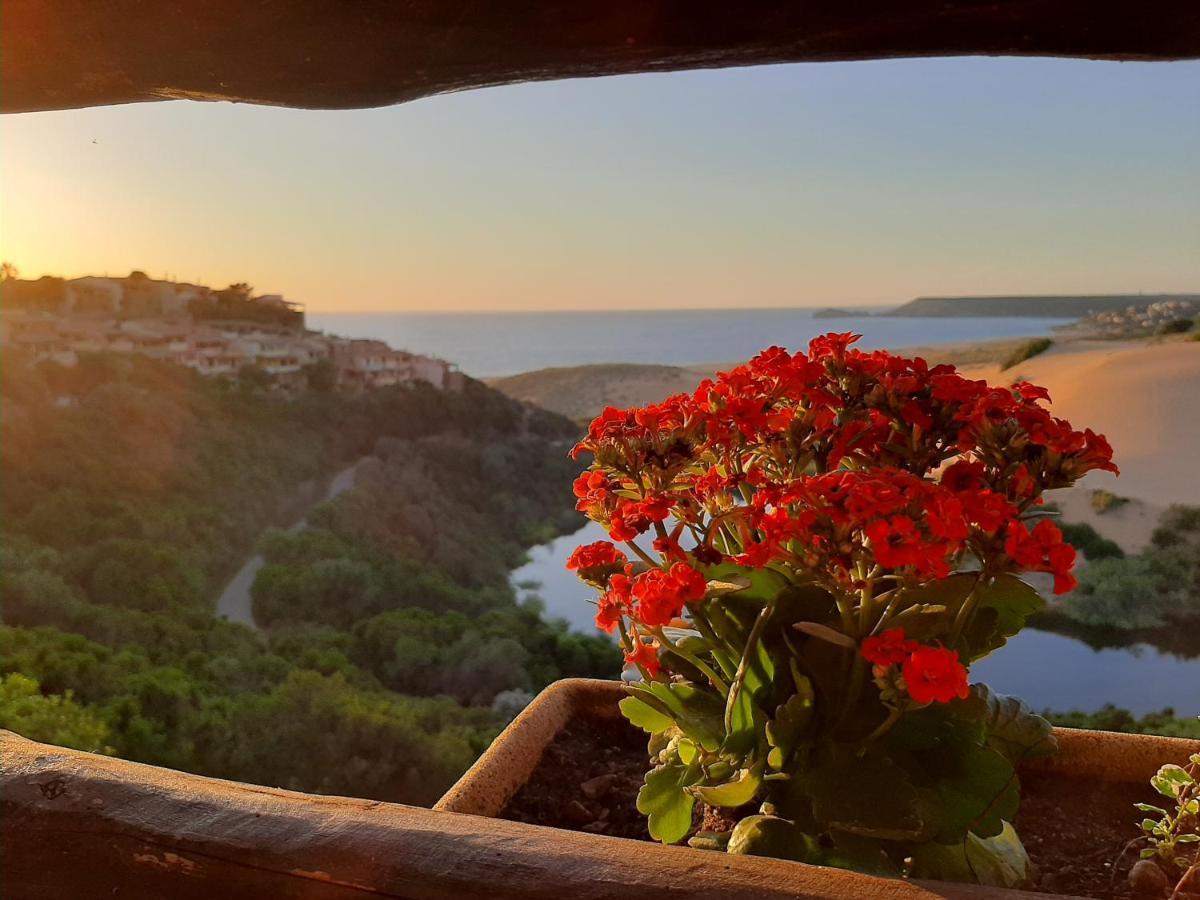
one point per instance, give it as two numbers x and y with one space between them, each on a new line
54 719
8 272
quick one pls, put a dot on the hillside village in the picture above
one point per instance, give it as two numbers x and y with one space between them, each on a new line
217 333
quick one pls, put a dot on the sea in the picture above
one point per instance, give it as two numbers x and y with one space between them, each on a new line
488 345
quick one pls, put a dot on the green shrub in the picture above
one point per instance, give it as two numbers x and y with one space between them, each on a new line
1027 350
1175 326
53 719
1177 526
1112 718
1133 592
1089 541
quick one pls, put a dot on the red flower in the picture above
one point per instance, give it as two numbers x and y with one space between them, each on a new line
596 562
1042 550
662 595
889 648
593 489
595 555
934 675
831 346
644 655
964 475
616 602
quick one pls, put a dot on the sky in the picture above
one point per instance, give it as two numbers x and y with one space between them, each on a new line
780 186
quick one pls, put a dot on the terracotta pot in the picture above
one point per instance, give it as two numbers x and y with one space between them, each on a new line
504 768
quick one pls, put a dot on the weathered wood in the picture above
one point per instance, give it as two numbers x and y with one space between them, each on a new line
74 825
57 54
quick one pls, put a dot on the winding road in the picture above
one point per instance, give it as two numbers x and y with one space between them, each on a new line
235 603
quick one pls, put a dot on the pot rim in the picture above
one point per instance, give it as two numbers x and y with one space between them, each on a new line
486 788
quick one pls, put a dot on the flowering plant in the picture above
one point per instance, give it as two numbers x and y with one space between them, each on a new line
816 548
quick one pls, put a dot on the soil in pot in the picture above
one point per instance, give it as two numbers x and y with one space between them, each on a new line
1077 832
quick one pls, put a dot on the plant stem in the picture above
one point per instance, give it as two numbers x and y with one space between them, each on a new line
884 727
964 612
642 555
700 620
700 664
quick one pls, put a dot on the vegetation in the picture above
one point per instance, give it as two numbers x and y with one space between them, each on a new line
1150 590
1088 540
1173 835
1027 350
132 489
1112 718
1175 326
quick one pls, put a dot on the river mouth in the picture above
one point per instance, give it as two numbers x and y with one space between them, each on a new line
1046 669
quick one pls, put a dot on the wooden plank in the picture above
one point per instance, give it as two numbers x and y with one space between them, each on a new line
57 54
74 825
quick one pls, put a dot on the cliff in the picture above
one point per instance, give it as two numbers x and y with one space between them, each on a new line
1055 307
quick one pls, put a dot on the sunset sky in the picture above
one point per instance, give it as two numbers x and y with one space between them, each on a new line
792 185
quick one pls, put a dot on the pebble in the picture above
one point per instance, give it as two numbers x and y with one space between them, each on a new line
598 786
1148 879
578 814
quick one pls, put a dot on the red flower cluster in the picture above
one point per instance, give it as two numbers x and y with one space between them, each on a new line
835 465
1042 550
662 595
931 674
596 562
888 649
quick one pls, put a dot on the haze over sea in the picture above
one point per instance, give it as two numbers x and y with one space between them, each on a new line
493 344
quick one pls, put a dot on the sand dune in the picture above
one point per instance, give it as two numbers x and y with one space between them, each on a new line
1143 395
580 392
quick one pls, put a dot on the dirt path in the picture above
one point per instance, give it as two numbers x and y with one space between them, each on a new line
235 603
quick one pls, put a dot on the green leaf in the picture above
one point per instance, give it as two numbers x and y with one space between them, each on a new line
687 751
709 840
1001 609
644 716
1146 807
698 711
968 788
1170 780
825 633
850 851
734 793
761 585
999 861
791 719
666 803
772 836
1012 729
867 795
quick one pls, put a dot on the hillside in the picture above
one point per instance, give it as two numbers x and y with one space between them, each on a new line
1048 306
580 392
129 491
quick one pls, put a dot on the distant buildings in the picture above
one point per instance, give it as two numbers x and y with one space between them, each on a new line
216 333
1136 319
